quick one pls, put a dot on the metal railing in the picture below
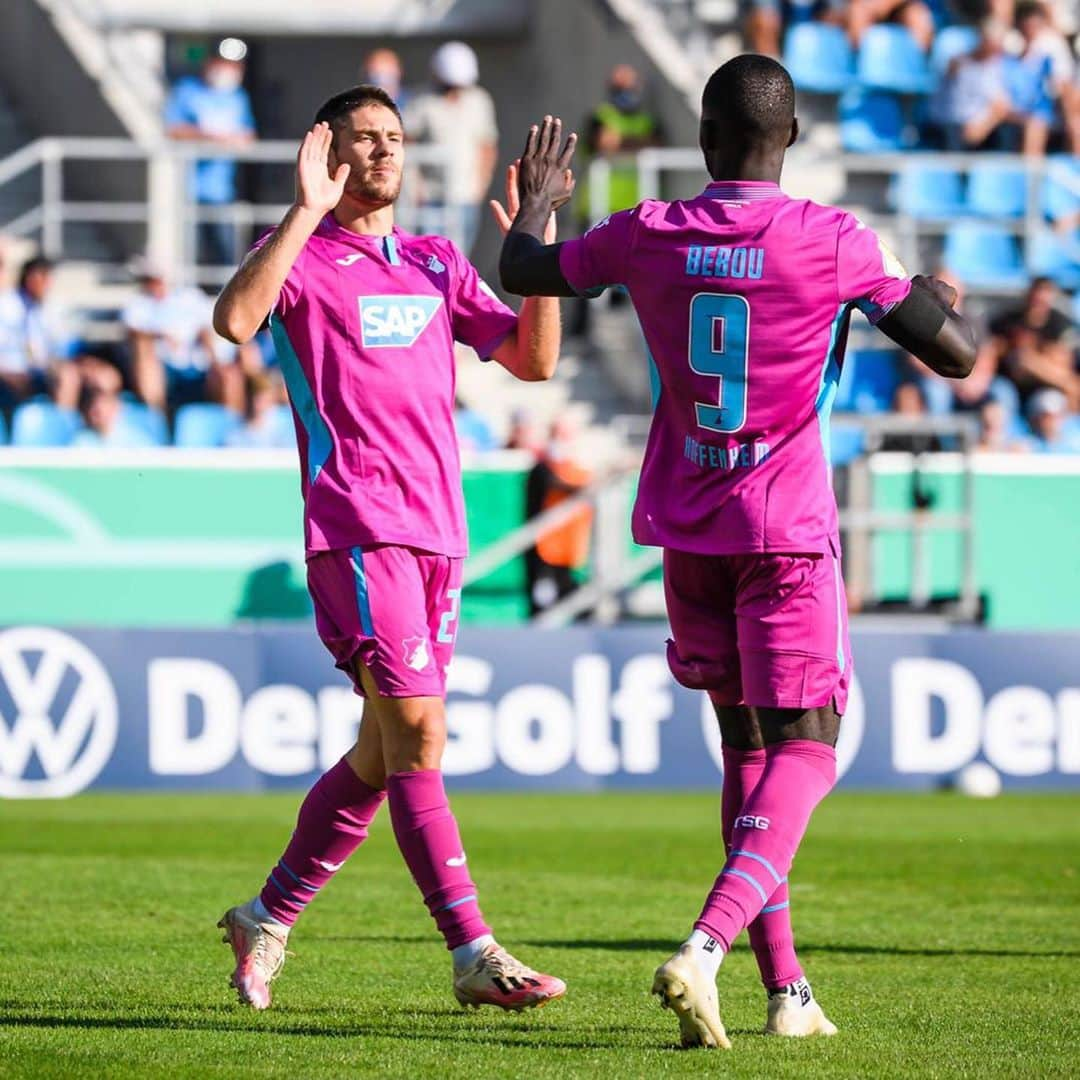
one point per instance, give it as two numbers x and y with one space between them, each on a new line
169 216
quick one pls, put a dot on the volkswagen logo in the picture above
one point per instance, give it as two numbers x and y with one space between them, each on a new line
58 714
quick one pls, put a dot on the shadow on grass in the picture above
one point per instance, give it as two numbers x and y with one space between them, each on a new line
669 944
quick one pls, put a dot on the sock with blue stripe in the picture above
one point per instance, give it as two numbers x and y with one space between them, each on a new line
430 843
798 774
333 822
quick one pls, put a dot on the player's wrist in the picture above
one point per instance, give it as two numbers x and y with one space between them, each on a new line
308 216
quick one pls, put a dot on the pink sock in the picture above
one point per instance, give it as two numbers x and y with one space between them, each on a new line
332 823
766 835
428 837
770 933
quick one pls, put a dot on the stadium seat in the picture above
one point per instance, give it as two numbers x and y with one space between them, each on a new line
819 58
148 420
868 381
997 193
890 59
872 122
1053 256
1058 200
41 423
930 192
284 425
204 425
846 442
984 255
949 43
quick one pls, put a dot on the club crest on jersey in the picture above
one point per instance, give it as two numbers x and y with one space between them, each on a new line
416 655
395 321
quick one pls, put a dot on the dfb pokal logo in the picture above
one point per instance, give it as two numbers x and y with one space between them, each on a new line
58 714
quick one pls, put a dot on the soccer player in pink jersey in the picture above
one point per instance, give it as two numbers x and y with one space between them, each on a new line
744 297
364 318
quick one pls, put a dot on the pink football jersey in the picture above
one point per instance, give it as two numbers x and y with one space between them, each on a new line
365 329
744 296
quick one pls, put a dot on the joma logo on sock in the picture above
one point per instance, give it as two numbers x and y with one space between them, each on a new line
751 821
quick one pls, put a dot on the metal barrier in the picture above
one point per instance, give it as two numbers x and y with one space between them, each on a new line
171 218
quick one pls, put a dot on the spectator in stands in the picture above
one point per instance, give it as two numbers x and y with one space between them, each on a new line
974 110
1048 415
994 429
216 108
459 115
176 356
1035 344
618 127
910 403
473 431
1040 76
104 424
265 427
382 68
37 348
559 551
525 433
912 14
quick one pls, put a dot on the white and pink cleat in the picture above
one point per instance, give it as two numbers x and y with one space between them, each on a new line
259 952
496 978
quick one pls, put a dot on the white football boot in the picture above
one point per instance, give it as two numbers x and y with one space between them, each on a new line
691 994
794 1012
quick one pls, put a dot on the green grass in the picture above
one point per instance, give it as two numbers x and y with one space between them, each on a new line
942 935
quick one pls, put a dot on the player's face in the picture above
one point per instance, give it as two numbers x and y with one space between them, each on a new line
372 142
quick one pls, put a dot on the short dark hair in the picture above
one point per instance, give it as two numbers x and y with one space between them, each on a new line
340 105
753 96
32 266
1027 8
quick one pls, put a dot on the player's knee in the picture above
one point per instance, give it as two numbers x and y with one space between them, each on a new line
414 738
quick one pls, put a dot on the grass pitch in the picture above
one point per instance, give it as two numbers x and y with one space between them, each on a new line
942 936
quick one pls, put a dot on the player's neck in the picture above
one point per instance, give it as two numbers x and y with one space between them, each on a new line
365 219
760 168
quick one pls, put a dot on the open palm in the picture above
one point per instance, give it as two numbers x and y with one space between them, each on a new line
504 215
316 189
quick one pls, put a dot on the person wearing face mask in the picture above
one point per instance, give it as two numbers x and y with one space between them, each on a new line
214 107
382 68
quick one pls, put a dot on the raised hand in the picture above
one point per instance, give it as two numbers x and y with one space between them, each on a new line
316 189
544 173
504 215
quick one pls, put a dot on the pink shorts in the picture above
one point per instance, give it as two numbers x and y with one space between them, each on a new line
395 609
759 629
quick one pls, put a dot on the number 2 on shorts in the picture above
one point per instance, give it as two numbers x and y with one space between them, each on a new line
448 622
719 340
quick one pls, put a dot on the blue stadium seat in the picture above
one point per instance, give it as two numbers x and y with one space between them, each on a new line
846 442
147 420
928 192
890 59
819 58
1052 256
984 255
868 381
997 193
284 425
41 423
872 123
204 425
1059 201
949 43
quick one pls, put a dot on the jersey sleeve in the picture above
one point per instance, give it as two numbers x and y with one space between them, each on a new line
868 274
291 290
478 317
592 262
178 106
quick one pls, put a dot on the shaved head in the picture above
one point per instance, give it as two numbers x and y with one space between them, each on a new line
747 114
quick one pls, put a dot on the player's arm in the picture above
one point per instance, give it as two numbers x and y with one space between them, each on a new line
253 290
529 264
925 324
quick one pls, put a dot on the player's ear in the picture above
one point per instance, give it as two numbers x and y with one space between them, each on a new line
794 131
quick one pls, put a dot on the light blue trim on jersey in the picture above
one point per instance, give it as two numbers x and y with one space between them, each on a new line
747 877
655 386
830 377
363 601
390 247
320 442
775 907
761 859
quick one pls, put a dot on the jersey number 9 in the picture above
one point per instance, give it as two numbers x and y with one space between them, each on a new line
719 342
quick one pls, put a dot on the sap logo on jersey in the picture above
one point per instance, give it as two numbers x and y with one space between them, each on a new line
395 321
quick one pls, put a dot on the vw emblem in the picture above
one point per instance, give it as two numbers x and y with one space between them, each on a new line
58 714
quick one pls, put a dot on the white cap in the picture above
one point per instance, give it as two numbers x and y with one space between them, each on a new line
1047 400
455 64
